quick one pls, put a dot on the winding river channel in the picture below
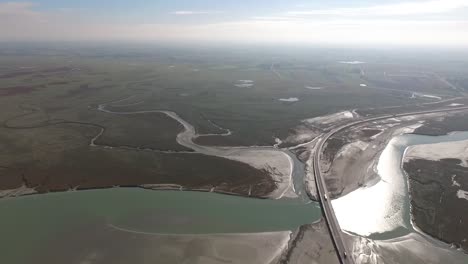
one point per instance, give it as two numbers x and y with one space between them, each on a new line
288 170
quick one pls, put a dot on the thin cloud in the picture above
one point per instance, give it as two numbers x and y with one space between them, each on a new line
274 18
13 13
25 22
403 8
13 8
191 12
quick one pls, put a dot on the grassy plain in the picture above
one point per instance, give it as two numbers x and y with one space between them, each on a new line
49 98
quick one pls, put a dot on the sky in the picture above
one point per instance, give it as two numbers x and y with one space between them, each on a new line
337 22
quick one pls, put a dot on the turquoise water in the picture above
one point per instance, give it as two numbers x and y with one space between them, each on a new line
27 223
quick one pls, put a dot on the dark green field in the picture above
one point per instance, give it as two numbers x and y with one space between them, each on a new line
435 206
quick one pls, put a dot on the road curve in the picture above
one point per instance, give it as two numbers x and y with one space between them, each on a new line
327 208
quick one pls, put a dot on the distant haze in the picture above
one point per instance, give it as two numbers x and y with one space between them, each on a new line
413 22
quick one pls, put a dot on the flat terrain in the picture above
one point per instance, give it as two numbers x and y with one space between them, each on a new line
130 225
214 119
54 138
443 126
438 183
436 208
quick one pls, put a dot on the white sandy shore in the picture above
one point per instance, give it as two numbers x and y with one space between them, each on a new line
23 190
379 207
313 127
290 99
313 87
244 83
412 248
414 95
462 194
212 248
438 151
352 148
330 119
351 62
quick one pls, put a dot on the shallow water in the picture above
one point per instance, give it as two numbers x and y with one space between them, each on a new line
30 222
383 209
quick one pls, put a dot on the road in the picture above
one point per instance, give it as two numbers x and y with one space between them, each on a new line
327 208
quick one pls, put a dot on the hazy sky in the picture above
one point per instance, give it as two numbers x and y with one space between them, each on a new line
413 22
